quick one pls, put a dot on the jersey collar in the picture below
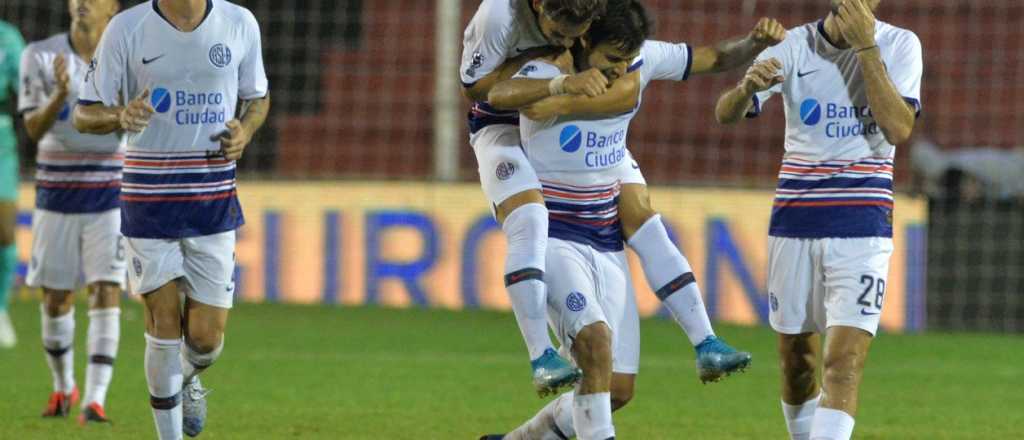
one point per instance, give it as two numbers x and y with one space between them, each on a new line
209 8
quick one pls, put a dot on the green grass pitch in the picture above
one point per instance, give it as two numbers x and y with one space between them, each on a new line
308 372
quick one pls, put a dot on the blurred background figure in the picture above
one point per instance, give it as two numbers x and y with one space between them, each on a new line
11 45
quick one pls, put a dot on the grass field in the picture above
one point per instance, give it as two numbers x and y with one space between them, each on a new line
362 373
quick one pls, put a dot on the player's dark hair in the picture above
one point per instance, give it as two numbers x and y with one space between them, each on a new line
627 26
575 12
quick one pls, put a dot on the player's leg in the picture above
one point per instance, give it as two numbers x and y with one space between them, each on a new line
162 362
209 268
855 272
156 272
58 331
670 276
54 267
798 361
509 182
592 405
794 290
104 267
8 263
104 335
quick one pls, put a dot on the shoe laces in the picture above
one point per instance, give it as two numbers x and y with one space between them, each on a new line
195 391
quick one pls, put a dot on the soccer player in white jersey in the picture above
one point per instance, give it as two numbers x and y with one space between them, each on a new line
851 88
499 31
511 184
583 164
76 224
170 73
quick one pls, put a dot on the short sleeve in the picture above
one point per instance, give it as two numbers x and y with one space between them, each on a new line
106 78
665 61
485 42
538 69
252 77
906 69
32 80
783 53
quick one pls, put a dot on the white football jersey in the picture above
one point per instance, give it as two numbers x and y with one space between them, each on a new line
500 30
176 182
836 175
75 172
576 159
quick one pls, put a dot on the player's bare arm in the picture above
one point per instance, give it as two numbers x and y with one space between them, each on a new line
521 92
622 96
480 90
40 120
240 131
101 119
735 103
731 54
894 116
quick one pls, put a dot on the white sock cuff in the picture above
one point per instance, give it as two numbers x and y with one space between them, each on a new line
110 312
526 229
802 410
831 424
202 360
599 407
161 344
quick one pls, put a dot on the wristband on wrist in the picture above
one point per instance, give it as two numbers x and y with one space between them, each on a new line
557 85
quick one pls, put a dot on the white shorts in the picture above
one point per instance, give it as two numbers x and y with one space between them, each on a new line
207 263
586 286
814 284
504 169
71 249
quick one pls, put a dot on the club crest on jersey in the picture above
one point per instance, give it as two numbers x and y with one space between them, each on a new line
576 301
220 55
505 170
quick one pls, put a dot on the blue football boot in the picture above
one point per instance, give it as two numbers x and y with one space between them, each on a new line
716 359
552 372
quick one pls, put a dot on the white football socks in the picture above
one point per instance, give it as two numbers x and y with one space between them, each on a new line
671 277
592 416
553 422
831 424
104 335
164 377
527 231
799 417
58 341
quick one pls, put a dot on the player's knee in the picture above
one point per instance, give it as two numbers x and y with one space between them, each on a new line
104 295
592 347
57 302
204 336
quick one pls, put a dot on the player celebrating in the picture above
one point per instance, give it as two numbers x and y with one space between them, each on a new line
584 212
76 223
180 67
851 87
502 29
11 45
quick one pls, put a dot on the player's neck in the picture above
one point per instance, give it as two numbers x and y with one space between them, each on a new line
186 15
84 39
832 32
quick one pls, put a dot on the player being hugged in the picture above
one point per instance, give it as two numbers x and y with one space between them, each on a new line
76 226
584 165
851 87
170 73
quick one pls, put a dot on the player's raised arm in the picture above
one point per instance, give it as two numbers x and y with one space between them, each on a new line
731 54
522 91
893 114
40 111
738 101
